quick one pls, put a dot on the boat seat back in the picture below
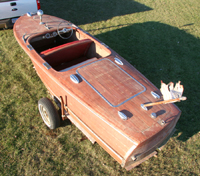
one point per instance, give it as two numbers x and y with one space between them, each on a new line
66 52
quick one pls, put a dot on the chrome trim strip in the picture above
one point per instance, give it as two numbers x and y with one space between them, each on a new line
29 47
105 45
73 25
144 88
47 65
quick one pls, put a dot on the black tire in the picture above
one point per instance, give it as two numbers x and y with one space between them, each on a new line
48 113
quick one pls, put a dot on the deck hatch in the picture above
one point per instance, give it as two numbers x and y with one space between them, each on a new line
110 81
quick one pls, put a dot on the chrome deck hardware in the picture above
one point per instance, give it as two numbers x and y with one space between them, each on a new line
153 115
144 107
118 61
155 95
40 13
29 47
47 65
122 115
74 78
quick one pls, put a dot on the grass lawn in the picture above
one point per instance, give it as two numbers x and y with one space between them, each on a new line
160 38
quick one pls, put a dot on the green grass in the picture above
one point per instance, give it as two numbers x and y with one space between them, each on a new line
160 38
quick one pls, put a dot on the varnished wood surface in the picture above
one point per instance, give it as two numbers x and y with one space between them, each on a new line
110 82
30 25
140 131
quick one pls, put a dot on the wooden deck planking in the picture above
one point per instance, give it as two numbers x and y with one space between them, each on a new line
110 81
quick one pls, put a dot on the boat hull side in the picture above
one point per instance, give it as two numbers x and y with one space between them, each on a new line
112 140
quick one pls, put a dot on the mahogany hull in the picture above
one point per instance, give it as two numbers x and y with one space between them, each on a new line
106 88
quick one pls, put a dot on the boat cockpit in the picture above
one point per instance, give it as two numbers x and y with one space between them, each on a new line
67 46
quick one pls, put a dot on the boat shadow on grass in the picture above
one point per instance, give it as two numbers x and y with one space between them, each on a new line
90 11
163 52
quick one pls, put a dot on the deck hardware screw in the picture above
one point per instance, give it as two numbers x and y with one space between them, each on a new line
162 122
133 158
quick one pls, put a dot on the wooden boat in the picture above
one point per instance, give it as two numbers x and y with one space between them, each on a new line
97 89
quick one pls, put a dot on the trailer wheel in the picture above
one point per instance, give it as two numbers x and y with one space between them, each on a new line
49 113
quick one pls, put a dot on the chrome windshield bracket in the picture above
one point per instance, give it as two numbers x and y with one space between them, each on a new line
23 37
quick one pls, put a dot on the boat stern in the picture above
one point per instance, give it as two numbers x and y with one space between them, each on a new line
150 147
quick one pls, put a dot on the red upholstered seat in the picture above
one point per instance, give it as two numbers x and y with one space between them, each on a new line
66 52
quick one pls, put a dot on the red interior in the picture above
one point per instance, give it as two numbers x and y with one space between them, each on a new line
67 52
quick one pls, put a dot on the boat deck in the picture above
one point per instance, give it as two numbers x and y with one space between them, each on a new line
111 82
